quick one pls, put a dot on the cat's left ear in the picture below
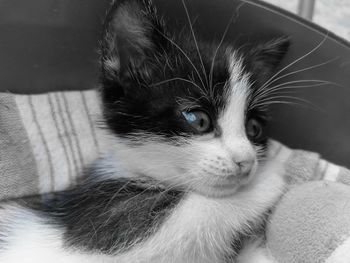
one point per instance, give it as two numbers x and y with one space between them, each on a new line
265 57
133 35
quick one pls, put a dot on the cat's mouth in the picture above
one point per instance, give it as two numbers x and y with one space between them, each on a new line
223 188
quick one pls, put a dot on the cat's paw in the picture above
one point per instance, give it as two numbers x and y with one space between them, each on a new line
255 252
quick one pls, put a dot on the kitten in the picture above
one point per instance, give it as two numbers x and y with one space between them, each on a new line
185 181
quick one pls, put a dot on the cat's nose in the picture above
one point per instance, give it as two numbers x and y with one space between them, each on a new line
245 167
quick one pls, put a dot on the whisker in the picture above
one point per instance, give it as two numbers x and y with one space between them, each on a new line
105 209
277 100
219 83
142 192
195 40
193 22
295 61
263 93
304 69
174 79
272 98
293 103
183 53
189 103
203 91
235 14
292 89
278 88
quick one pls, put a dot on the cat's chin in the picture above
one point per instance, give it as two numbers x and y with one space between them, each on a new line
223 190
218 191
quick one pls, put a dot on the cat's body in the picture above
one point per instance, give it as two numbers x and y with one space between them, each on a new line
184 181
197 229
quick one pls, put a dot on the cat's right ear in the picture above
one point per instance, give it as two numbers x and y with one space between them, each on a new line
132 36
265 57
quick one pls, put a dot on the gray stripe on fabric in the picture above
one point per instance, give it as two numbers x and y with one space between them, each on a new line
59 135
75 136
48 154
66 133
18 169
91 123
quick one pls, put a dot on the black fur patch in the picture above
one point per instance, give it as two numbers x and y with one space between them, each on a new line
107 216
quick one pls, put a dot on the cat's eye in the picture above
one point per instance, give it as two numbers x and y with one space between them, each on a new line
199 120
254 129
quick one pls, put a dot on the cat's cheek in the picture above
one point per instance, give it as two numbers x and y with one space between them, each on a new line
218 176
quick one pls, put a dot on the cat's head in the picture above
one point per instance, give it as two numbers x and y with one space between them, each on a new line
183 111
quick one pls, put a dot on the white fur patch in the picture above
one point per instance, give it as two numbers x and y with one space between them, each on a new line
341 254
232 121
29 239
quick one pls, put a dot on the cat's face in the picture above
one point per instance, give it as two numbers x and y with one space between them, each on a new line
183 112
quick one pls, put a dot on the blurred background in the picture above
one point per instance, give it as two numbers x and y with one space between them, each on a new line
333 15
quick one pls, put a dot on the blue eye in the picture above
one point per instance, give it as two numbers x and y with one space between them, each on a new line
198 120
189 116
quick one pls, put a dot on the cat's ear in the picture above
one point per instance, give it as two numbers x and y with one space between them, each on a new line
132 35
265 57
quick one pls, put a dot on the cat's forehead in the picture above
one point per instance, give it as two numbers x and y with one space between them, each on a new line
201 74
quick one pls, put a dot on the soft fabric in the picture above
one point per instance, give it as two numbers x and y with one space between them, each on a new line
311 224
303 166
46 140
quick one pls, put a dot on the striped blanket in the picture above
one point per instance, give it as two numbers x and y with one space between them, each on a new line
46 140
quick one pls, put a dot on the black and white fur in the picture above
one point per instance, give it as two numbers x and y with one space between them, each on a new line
166 192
